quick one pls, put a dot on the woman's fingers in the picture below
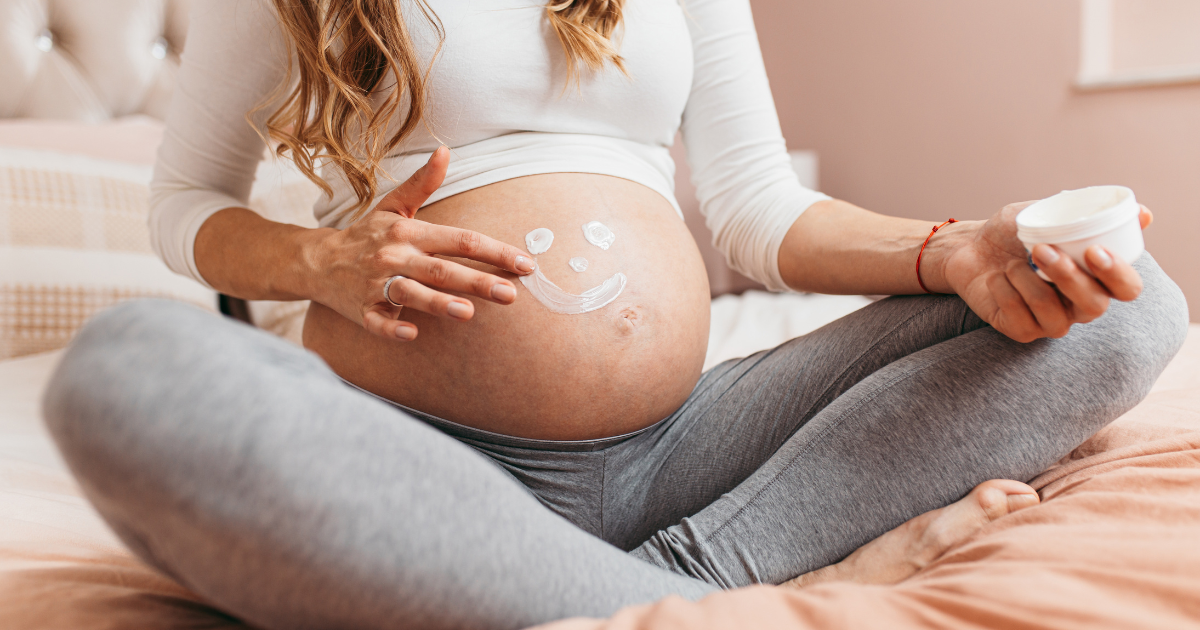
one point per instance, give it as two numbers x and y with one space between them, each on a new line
1075 298
446 274
407 198
1145 217
413 294
1087 297
381 320
1013 317
1121 279
1043 301
451 241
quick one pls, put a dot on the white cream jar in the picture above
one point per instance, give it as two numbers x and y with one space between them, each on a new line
1075 220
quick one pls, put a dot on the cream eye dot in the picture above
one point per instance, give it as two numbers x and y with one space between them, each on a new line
598 234
539 241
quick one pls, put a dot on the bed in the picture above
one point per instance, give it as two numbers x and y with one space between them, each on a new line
1115 544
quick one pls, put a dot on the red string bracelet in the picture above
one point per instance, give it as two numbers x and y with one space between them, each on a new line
922 252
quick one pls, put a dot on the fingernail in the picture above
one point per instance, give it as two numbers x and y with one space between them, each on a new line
524 264
1046 255
458 310
503 293
1100 258
404 333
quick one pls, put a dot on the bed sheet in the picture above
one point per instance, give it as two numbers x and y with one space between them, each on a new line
1114 545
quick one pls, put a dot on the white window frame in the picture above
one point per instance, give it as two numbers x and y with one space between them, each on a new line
1096 56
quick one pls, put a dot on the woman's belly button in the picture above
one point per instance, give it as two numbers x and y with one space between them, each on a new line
607 337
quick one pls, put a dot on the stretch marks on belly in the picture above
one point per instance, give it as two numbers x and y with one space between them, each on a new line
553 297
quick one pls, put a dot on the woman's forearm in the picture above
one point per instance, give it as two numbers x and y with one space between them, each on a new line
837 247
244 255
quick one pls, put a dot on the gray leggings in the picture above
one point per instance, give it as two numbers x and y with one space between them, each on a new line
243 467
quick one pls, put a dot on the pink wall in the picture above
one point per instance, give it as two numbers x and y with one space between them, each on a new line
937 108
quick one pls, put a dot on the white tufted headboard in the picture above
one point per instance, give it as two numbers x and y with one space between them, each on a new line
89 59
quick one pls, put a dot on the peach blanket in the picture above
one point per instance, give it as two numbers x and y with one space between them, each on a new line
1115 544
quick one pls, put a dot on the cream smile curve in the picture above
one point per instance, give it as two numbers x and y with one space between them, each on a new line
559 301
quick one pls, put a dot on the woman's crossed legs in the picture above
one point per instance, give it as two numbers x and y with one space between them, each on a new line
247 470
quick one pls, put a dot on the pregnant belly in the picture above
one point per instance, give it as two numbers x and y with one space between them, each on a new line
524 369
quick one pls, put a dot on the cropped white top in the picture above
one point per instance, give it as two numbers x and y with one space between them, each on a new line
499 99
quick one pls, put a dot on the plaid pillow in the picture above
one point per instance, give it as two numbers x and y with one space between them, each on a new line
74 241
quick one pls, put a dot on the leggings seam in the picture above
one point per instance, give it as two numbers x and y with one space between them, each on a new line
962 325
808 447
603 490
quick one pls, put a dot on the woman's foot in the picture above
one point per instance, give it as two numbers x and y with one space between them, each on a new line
907 549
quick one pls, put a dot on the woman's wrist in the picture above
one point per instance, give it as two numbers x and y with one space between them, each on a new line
243 255
311 258
939 251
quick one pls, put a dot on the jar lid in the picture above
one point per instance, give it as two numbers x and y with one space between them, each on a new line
1077 214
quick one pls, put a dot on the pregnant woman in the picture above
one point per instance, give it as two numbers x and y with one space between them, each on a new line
503 419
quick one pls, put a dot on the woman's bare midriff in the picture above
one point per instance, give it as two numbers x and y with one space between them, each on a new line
524 370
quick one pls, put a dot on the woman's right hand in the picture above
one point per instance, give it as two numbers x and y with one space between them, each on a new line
353 265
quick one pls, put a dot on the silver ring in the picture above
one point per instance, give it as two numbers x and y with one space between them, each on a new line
387 286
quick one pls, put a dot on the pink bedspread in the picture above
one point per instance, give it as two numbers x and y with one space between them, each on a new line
1115 544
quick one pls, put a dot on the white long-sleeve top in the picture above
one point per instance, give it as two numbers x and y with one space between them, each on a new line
499 99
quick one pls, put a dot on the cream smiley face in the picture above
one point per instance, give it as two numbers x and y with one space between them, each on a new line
553 297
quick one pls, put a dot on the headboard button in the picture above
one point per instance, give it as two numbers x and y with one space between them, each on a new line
45 40
158 49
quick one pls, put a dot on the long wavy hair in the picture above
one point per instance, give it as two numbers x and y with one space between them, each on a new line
344 51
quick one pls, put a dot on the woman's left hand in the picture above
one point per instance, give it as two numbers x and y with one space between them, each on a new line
989 269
